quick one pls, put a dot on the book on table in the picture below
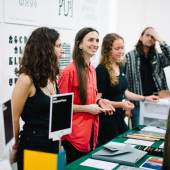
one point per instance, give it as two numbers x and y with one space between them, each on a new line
153 163
119 153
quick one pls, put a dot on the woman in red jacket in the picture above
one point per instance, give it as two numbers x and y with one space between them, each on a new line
79 77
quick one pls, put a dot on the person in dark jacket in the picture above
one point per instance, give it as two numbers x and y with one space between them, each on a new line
145 67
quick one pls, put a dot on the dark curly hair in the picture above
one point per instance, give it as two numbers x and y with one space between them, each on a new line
39 60
80 63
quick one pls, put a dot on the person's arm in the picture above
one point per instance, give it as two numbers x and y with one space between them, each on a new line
125 105
165 55
65 85
111 105
19 97
90 108
106 105
102 78
136 97
65 81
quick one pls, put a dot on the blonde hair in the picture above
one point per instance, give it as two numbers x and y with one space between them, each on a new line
105 59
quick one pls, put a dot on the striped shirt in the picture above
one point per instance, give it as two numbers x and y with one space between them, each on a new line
158 63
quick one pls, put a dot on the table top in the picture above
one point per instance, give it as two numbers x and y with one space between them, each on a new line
76 164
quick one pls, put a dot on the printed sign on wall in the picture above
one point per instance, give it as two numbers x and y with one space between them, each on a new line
89 12
56 13
14 38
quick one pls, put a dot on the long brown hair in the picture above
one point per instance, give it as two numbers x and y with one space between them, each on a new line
106 51
80 62
39 60
139 44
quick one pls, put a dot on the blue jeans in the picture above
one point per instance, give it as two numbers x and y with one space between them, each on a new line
135 116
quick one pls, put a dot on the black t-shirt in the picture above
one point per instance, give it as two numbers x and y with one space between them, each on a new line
115 93
111 126
148 84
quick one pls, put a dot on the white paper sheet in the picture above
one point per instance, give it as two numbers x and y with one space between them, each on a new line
99 164
138 142
154 129
162 145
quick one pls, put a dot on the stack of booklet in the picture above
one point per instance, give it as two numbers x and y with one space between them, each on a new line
148 133
149 136
119 153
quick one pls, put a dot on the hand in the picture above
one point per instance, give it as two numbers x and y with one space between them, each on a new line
94 109
13 154
152 98
127 105
156 35
107 106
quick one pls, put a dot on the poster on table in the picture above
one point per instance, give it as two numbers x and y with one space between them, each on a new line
56 13
61 112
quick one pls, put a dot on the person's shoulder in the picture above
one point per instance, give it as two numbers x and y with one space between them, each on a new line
100 67
131 54
70 68
25 79
131 51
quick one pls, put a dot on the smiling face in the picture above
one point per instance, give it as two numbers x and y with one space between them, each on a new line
90 44
58 50
117 50
147 38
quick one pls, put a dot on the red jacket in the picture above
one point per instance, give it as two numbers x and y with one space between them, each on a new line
82 121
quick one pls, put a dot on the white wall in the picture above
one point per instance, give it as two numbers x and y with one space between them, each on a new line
135 15
100 15
1 10
19 18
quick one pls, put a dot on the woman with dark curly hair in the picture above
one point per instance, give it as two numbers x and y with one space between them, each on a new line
31 95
